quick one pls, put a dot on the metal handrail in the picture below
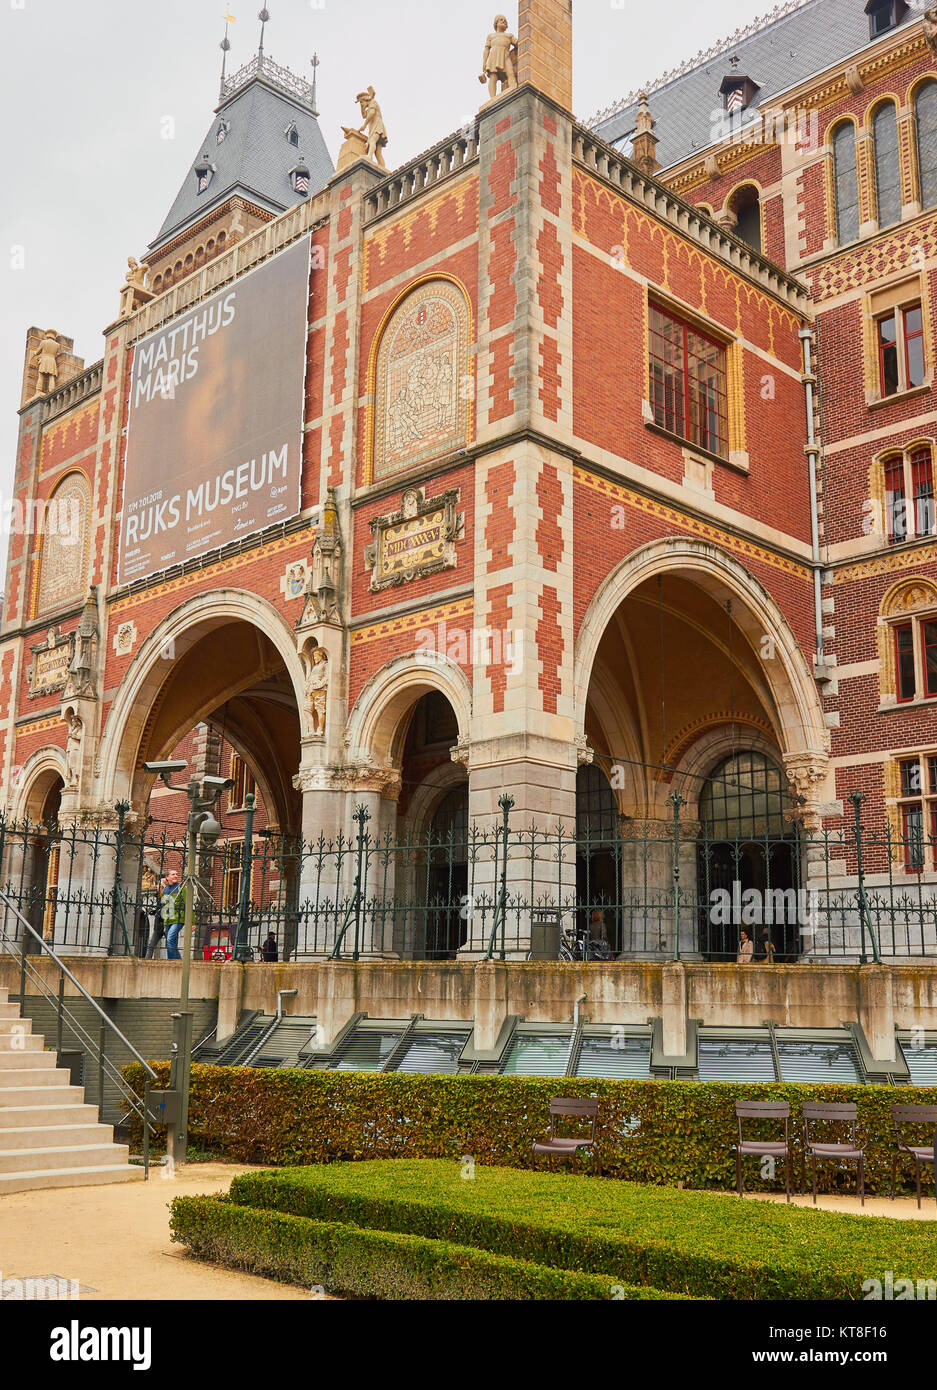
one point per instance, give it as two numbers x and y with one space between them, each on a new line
104 1063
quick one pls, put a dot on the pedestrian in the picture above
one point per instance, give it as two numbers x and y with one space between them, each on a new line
597 946
746 948
172 912
269 951
766 947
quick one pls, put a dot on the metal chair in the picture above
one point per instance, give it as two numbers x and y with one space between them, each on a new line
559 1145
764 1148
903 1115
842 1113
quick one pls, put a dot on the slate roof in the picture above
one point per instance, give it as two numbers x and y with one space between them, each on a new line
255 157
777 52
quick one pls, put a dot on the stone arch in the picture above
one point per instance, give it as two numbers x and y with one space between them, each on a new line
910 593
144 680
33 782
707 752
374 724
793 690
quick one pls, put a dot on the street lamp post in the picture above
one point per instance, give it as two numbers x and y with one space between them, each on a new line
203 797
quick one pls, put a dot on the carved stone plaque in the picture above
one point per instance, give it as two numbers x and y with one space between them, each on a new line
419 539
48 670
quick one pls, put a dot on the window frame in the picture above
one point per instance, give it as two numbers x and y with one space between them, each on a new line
900 343
898 630
841 238
691 401
908 463
919 802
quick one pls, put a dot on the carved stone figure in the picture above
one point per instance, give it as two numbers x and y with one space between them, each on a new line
134 292
73 750
930 29
317 689
499 65
323 591
373 129
46 355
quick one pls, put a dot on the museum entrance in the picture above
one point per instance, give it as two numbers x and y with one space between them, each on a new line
748 862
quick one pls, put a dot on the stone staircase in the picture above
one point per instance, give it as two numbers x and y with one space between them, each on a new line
49 1137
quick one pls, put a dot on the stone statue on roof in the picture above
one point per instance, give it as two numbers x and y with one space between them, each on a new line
930 28
374 130
46 357
499 64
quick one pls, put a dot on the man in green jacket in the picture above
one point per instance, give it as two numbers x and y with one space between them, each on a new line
172 911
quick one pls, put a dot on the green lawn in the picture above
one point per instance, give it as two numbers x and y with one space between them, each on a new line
691 1243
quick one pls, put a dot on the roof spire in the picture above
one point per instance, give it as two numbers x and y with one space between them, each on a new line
264 18
225 47
314 61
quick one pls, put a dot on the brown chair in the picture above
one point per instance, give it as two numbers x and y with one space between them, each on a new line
559 1145
764 1148
840 1113
902 1116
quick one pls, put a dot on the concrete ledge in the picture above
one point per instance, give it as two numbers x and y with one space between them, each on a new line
880 998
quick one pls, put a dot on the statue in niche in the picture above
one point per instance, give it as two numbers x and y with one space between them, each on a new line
81 669
317 689
499 63
46 356
73 750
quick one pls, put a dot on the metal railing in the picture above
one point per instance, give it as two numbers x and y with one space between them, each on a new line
65 1018
664 888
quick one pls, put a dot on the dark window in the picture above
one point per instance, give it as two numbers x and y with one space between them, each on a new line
883 16
930 657
846 185
904 660
911 777
688 382
922 481
925 112
887 168
888 354
292 134
913 324
932 775
895 511
912 819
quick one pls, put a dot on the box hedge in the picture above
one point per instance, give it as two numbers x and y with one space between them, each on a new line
699 1244
665 1132
372 1263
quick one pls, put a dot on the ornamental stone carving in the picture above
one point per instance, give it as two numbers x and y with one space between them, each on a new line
418 539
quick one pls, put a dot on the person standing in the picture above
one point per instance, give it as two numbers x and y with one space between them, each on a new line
172 912
746 948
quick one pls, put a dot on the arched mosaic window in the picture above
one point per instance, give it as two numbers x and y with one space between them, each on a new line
925 116
845 183
63 563
887 166
422 398
596 809
745 796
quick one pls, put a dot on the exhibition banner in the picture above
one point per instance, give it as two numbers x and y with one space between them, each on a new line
215 420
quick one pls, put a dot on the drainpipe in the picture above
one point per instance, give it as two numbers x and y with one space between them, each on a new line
580 1000
812 450
281 993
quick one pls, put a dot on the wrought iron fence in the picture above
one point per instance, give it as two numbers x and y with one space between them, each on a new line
648 889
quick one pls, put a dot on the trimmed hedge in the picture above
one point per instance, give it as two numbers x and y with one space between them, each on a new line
683 1242
663 1132
372 1264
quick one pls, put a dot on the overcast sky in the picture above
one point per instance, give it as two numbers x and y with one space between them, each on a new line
86 176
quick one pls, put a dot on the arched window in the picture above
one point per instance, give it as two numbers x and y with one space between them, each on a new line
747 209
887 165
925 117
845 183
63 563
596 809
744 797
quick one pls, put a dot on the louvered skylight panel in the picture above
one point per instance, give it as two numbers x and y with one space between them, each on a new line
736 1059
922 1063
620 1058
368 1049
434 1052
810 1061
538 1054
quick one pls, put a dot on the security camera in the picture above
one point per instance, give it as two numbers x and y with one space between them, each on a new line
217 784
165 770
